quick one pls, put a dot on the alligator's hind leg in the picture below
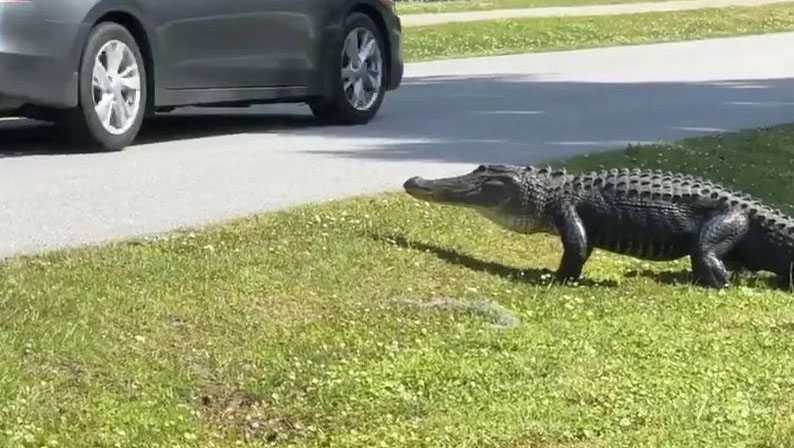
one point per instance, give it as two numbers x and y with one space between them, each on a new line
718 237
574 241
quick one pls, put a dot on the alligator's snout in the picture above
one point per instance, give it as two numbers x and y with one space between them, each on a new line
418 187
414 183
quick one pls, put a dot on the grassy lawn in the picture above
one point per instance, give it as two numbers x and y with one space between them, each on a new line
498 37
383 321
419 7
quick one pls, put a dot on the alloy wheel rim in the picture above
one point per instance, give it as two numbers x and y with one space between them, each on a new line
116 86
362 69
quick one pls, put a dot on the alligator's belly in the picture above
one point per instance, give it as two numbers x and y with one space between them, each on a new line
640 246
651 231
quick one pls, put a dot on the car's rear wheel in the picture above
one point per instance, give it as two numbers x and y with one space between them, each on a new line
359 78
112 89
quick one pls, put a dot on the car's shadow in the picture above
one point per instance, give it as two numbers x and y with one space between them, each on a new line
22 138
499 118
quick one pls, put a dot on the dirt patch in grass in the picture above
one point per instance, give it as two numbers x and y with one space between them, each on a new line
499 316
245 416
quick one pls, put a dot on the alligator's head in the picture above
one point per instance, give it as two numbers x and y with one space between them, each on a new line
509 195
488 186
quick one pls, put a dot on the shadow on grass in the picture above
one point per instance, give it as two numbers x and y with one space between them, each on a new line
532 276
684 278
672 278
545 277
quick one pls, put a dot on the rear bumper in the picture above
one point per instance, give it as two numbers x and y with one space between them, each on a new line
36 65
28 79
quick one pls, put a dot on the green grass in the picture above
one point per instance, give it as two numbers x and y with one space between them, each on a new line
498 37
304 328
418 7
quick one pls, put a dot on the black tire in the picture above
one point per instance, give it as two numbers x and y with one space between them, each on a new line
337 109
82 124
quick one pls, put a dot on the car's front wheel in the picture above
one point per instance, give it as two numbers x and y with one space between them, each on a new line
112 89
359 77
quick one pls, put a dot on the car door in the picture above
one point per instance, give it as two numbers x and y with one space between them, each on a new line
210 44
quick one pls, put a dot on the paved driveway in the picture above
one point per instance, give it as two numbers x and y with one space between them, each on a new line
204 166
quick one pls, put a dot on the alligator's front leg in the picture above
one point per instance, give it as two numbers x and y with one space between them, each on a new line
575 245
718 237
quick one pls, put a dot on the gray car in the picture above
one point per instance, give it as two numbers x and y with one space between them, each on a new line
99 67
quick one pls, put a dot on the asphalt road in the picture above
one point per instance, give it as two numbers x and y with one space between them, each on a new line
199 167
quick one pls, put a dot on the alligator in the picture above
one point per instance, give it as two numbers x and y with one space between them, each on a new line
646 214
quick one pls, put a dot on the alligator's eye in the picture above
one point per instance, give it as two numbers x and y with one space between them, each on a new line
481 168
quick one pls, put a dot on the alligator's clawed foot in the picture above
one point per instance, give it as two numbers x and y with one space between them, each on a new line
566 278
710 272
716 286
713 280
